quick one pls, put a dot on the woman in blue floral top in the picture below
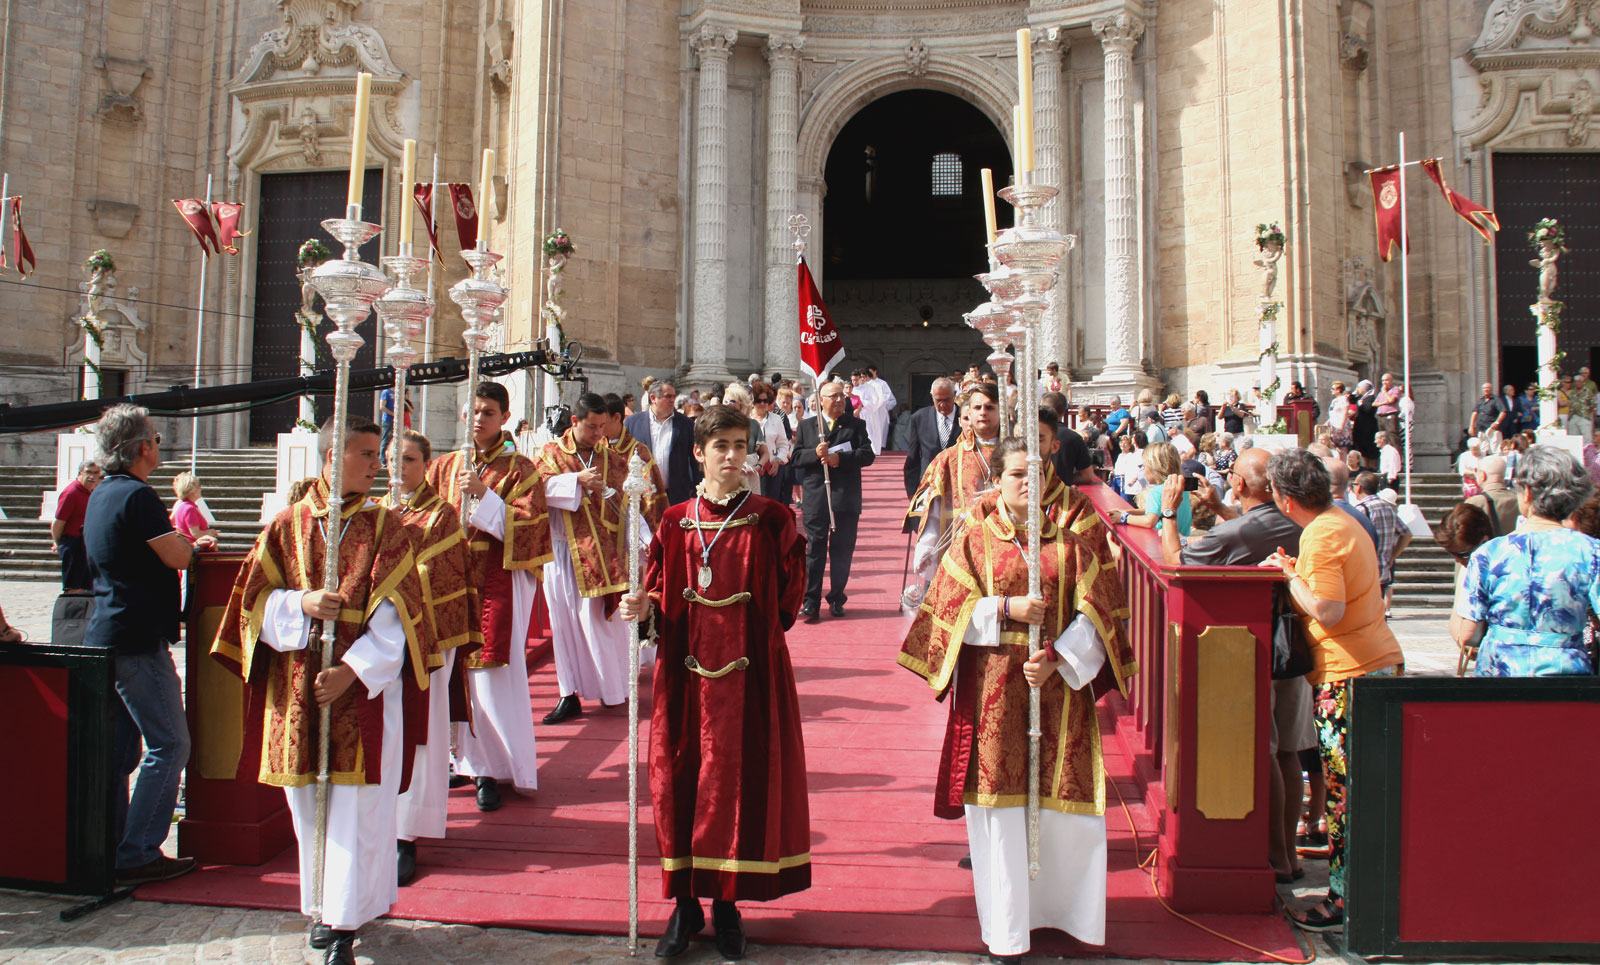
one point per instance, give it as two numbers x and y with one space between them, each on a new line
1530 594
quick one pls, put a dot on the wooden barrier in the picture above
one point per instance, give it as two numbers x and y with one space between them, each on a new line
229 816
1461 794
1196 720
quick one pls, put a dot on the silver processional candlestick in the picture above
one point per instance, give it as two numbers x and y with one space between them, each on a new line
635 491
404 312
480 298
1032 252
348 287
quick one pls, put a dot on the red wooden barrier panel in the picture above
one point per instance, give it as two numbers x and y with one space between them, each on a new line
1196 719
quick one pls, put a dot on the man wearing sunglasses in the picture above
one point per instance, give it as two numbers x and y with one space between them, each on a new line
137 556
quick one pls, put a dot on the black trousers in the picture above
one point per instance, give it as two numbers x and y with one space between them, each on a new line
833 549
75 573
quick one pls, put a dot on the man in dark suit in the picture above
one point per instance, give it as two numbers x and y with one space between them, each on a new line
669 435
934 428
841 442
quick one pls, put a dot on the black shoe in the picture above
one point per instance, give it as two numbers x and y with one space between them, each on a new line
836 609
809 614
161 869
319 936
406 854
965 863
341 948
681 927
459 780
566 707
1005 959
729 928
488 794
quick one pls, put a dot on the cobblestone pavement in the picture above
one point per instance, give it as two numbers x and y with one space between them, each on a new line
150 932
144 931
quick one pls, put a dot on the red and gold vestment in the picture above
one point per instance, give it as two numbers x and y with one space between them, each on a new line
656 503
375 564
526 545
986 744
953 478
594 531
727 761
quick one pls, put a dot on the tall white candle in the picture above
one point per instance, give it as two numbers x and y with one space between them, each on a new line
358 139
1025 98
988 205
408 164
485 198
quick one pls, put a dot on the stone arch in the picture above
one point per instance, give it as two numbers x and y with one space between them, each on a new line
859 85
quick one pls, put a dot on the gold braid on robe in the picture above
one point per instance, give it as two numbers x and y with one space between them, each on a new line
956 475
375 564
595 530
450 598
986 742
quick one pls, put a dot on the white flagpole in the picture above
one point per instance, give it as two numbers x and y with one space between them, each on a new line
433 259
1405 317
5 210
200 332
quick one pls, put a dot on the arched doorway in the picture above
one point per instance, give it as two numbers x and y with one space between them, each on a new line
903 235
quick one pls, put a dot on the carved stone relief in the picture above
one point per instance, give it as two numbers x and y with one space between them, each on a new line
1537 66
1364 312
118 102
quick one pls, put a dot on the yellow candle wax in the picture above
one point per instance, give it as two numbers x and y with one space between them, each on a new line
408 164
358 139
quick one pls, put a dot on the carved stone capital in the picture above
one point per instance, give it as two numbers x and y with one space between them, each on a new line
1118 32
714 42
1050 43
784 49
1353 51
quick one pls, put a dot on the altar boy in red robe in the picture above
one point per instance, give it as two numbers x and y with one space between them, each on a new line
725 579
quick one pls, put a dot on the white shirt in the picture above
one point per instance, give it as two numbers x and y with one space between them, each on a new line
660 443
1467 464
778 441
1389 461
946 421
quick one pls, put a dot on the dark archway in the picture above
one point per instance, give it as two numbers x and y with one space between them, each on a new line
903 234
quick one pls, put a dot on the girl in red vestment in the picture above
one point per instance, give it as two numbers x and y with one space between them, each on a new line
725 579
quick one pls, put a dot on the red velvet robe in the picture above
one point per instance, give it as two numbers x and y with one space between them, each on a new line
727 761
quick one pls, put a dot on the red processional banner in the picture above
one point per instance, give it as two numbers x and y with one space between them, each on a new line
820 345
1483 220
1386 188
422 192
23 252
466 213
227 214
198 217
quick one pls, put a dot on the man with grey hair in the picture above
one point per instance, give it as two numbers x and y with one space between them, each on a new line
669 436
933 429
136 554
1339 485
66 530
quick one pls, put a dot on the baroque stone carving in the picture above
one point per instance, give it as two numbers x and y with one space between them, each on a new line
1353 51
916 57
1536 33
117 321
114 219
303 72
123 79
500 46
1364 310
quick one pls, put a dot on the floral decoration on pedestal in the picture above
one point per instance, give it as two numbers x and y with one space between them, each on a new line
1269 245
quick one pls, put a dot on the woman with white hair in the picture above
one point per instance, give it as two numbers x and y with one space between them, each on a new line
1530 594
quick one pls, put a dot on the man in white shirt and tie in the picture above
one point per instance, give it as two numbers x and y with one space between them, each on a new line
934 428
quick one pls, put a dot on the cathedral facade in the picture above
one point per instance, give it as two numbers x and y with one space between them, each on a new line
674 139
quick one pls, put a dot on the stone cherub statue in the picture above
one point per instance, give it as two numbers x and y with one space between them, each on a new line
1549 250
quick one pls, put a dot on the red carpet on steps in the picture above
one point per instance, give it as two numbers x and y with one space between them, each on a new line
885 869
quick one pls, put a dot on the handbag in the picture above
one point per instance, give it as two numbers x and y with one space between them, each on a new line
71 619
1291 651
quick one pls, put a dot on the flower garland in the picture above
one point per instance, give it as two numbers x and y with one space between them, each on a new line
100 262
1548 233
312 253
1269 235
557 243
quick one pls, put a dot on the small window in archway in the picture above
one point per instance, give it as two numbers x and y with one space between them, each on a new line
947 175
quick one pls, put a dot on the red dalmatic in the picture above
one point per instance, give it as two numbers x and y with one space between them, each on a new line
727 762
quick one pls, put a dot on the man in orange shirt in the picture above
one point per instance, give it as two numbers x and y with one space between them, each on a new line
1335 585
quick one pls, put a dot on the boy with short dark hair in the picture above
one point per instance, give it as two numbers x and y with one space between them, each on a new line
725 577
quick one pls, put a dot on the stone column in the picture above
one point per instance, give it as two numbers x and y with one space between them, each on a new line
783 130
1049 157
1118 34
709 306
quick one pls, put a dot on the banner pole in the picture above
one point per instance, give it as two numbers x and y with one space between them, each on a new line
200 332
1405 317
